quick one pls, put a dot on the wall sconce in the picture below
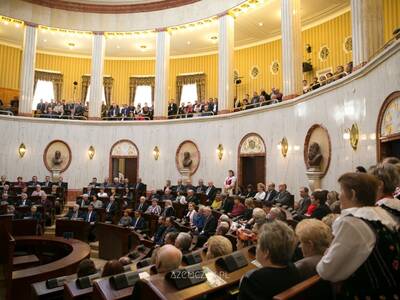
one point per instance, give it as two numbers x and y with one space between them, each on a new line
91 152
353 134
220 151
283 146
156 153
21 150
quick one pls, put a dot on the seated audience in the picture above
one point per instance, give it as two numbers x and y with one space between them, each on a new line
319 200
315 237
181 198
332 200
168 211
97 203
275 248
260 195
125 220
199 219
218 245
227 203
168 195
142 206
276 213
183 242
85 268
91 215
24 201
168 258
238 208
362 255
138 222
170 238
210 225
330 219
191 213
259 218
201 188
389 179
154 208
169 227
34 214
112 267
271 192
211 191
304 202
102 194
222 228
191 197
111 208
38 191
217 203
158 235
248 212
283 197
84 201
249 192
74 213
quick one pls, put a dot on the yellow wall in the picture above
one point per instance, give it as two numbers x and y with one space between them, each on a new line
10 61
71 67
391 13
331 33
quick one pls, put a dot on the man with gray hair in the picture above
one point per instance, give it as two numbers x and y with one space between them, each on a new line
222 228
191 197
183 242
84 201
24 201
168 258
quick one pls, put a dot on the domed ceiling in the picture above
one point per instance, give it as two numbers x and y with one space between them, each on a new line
112 6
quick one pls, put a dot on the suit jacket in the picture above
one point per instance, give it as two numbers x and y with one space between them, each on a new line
47 184
210 226
36 216
211 193
269 196
27 202
284 198
113 111
140 188
142 207
193 199
170 211
71 214
91 218
201 189
167 230
139 223
172 109
227 205
303 205
83 203
111 209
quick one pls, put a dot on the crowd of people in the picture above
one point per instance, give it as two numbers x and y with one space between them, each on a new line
258 100
350 239
327 78
198 108
57 109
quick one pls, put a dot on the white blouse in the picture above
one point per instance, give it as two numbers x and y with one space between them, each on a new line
260 196
353 241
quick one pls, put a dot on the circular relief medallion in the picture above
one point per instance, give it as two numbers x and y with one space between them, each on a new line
323 53
348 44
254 72
187 158
275 67
57 156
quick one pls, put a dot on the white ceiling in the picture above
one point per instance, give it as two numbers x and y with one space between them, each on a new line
251 27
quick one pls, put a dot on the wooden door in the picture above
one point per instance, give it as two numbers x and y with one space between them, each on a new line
253 170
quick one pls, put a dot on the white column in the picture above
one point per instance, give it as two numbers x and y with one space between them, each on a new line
96 77
162 74
27 70
292 49
367 29
225 63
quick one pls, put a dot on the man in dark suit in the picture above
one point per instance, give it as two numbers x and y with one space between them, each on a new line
4 181
138 222
211 191
283 197
172 108
179 187
140 187
227 202
191 197
201 188
24 201
91 215
40 107
167 195
84 201
141 206
79 110
33 214
169 227
113 111
111 208
270 193
47 182
34 181
210 226
305 201
125 111
94 182
74 213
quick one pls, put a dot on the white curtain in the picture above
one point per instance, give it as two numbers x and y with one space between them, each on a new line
189 93
103 96
44 91
142 95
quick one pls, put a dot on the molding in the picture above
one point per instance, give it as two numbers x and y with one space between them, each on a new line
370 66
177 153
45 154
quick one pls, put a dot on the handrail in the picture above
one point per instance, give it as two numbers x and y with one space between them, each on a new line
125 118
298 288
192 115
65 117
6 112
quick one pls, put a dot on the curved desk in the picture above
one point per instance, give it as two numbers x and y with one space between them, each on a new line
22 279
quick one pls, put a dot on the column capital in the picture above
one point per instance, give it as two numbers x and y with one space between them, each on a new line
30 24
98 32
225 13
161 29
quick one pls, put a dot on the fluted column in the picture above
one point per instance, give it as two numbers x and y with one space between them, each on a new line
225 63
96 77
162 74
292 49
367 29
27 70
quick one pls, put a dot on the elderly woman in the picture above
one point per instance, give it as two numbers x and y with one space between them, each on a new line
259 218
389 178
218 245
332 200
275 248
364 252
260 196
249 207
168 211
125 220
315 237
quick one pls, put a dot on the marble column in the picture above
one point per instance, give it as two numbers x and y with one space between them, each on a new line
367 29
162 74
27 70
225 63
292 50
96 77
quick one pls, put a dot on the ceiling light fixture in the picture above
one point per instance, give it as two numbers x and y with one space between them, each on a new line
118 46
260 24
188 42
45 40
71 45
214 39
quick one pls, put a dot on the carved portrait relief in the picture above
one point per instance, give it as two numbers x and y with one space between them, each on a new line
317 149
57 156
187 158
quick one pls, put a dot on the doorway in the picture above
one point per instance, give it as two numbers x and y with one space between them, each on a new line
124 161
390 148
126 167
253 170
